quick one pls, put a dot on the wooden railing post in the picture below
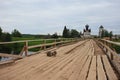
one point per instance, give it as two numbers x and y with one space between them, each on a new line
26 48
61 41
55 42
44 44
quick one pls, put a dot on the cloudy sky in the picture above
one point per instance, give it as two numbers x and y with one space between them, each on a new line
49 16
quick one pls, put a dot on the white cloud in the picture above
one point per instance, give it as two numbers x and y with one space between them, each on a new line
37 16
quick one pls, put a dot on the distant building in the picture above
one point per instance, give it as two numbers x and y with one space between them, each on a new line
87 32
101 29
117 36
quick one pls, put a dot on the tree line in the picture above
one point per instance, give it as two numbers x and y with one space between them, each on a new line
73 33
67 33
15 48
5 36
106 33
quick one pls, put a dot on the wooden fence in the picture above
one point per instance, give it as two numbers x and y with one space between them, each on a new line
111 53
106 46
54 43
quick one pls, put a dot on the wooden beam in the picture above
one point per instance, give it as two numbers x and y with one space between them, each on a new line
85 69
10 55
100 70
115 43
108 68
92 71
6 62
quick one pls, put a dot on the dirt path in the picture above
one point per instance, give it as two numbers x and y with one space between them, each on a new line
79 64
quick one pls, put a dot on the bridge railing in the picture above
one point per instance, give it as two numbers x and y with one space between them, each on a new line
111 53
107 47
42 44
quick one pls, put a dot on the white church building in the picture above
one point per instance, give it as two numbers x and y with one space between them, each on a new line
86 32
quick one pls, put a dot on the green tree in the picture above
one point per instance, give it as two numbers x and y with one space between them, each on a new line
0 32
5 37
74 33
16 33
102 34
106 33
54 35
66 32
47 36
110 35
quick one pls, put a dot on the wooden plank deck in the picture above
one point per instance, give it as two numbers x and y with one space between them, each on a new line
100 70
82 63
109 71
92 70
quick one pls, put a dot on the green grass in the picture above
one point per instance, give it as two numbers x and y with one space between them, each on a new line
22 38
117 48
116 40
32 43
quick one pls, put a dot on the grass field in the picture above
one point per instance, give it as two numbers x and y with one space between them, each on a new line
22 38
117 48
116 40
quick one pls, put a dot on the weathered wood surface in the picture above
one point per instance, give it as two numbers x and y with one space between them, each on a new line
79 64
109 71
6 62
100 69
92 71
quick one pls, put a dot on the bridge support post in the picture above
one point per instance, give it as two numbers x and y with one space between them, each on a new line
44 44
26 48
55 43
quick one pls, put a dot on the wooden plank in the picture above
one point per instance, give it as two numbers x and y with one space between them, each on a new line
24 41
6 62
70 71
32 68
108 68
12 42
116 64
115 43
92 70
85 69
100 71
47 44
73 71
78 68
113 53
10 55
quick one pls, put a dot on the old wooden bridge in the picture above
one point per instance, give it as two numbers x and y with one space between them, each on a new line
75 60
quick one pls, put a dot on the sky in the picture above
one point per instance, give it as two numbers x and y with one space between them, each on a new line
50 16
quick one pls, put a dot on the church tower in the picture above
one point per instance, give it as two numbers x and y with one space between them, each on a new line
101 29
87 32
